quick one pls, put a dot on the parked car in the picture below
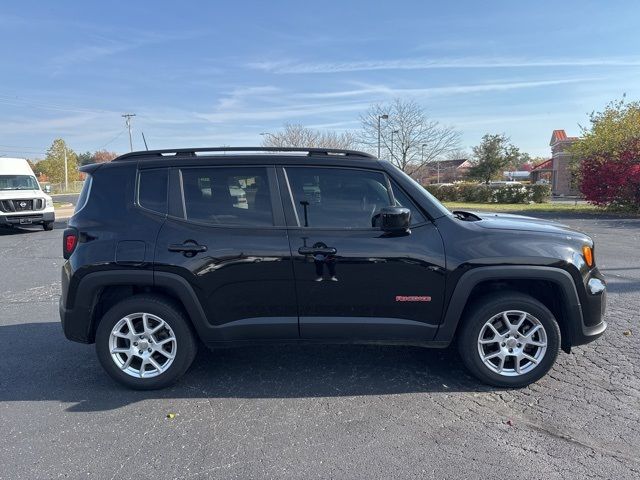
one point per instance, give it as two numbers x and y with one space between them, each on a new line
331 246
22 201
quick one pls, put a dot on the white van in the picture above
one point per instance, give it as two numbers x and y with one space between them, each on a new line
22 201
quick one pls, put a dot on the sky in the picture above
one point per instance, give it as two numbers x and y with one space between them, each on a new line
219 73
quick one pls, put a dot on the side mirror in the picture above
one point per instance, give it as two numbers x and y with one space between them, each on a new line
393 219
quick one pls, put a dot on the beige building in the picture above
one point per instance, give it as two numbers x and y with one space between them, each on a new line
557 170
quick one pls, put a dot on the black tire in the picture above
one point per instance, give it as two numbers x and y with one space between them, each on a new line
481 312
166 310
48 226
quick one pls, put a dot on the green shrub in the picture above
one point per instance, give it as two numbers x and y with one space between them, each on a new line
512 194
540 193
481 193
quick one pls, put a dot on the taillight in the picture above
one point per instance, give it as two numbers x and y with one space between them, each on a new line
69 242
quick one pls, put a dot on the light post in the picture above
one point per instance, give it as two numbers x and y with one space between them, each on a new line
380 117
266 134
422 154
392 132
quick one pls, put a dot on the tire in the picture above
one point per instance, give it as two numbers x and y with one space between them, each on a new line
175 355
48 226
476 339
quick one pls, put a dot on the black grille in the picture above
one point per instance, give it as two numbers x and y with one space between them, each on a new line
21 205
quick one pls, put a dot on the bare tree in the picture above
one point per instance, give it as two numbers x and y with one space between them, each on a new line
417 139
300 136
457 154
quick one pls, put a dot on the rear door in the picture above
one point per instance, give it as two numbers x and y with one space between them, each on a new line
226 236
354 281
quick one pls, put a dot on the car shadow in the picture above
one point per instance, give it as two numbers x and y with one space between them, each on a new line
39 364
17 230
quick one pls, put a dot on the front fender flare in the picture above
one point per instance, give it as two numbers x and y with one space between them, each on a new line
571 307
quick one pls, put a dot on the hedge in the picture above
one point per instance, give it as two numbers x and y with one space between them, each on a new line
481 193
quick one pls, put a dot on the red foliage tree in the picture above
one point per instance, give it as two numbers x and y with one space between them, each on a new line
613 181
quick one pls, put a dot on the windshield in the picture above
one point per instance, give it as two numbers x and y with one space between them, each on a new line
18 182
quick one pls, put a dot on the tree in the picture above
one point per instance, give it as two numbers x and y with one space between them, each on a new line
103 156
85 158
493 156
303 137
606 159
417 139
53 164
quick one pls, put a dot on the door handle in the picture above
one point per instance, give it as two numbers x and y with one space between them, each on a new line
317 251
187 249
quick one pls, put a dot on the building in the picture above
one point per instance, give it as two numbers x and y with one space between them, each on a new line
557 170
442 171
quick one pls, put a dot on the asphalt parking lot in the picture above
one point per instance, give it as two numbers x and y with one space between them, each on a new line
313 412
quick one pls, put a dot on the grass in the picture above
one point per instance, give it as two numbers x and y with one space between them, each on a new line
527 208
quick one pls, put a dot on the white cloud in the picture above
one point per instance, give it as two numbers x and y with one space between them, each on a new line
293 67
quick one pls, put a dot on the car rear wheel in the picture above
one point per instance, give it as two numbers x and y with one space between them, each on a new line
145 342
509 340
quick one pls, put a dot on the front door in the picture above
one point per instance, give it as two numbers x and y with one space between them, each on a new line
353 281
226 236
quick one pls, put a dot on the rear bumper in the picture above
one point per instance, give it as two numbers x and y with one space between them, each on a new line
75 323
27 218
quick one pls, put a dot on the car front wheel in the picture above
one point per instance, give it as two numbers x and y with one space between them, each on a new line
145 342
509 340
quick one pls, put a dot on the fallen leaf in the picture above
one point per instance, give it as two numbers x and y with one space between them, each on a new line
627 333
171 416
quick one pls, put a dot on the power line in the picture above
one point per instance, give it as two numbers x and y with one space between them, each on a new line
114 138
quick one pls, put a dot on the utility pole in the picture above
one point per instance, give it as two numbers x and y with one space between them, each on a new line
127 117
66 173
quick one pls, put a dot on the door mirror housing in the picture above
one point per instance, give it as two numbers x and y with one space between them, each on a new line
393 219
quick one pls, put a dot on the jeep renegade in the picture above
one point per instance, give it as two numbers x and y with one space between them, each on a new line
240 245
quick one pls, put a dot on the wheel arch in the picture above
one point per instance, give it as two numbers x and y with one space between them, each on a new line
99 291
551 286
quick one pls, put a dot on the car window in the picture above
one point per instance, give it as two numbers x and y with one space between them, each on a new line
152 190
337 197
403 200
227 196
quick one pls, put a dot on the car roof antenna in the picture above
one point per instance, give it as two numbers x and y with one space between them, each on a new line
145 141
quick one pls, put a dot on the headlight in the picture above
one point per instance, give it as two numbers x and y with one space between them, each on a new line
49 202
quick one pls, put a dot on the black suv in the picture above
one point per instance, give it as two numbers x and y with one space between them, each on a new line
244 245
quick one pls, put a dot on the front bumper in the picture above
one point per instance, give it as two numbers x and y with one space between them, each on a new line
27 218
593 306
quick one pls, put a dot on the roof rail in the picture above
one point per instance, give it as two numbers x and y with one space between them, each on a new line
194 152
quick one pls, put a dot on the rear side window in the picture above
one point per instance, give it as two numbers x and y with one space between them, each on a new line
84 194
152 190
227 195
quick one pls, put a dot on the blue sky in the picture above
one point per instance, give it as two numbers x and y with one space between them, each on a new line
219 73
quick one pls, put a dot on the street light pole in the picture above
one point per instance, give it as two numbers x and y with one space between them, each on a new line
392 132
383 117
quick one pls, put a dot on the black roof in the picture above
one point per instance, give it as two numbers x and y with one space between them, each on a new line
221 151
